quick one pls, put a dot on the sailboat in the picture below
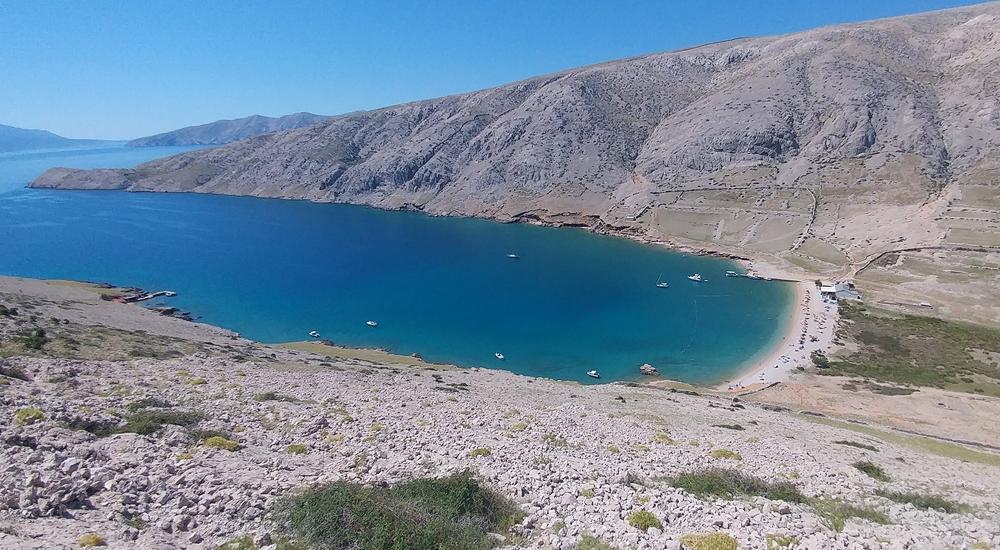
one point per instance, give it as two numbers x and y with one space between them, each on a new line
663 284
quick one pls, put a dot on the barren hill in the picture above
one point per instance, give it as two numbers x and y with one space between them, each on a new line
227 131
819 150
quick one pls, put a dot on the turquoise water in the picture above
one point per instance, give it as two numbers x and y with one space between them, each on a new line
274 270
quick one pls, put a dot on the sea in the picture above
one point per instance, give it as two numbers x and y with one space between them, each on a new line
443 287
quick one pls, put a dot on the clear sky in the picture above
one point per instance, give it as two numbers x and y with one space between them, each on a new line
110 69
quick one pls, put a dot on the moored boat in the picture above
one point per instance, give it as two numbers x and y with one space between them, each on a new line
697 278
314 334
593 374
372 324
499 356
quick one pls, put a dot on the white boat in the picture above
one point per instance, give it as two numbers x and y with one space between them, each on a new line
314 334
513 256
498 355
732 274
372 324
593 374
696 278
661 284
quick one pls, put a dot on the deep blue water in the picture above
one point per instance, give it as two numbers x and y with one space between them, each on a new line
274 270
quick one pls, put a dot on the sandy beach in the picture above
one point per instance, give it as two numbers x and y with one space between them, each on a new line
810 329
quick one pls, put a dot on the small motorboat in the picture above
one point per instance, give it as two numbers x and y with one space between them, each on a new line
314 334
498 355
513 256
372 324
593 374
696 278
732 274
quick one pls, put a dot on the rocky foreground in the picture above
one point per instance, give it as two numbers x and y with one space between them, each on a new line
260 422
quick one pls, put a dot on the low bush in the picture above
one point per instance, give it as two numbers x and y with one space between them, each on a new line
148 403
296 449
219 442
726 454
91 539
728 484
7 311
273 396
146 422
643 520
780 542
857 445
709 541
34 339
837 512
481 451
590 542
925 502
452 513
873 471
28 415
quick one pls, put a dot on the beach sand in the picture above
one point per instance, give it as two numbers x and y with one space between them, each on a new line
810 329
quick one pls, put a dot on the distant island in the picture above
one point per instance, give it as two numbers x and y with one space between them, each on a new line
226 131
24 139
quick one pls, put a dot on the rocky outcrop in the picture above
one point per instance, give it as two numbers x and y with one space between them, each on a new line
831 107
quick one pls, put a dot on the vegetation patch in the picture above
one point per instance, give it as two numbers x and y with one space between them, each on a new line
709 541
836 513
146 422
590 542
273 396
481 451
91 539
32 339
780 542
11 371
919 351
726 454
857 445
925 502
729 484
729 426
452 513
28 415
296 449
219 442
149 403
643 520
873 471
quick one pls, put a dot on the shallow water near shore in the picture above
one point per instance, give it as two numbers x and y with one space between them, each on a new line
274 270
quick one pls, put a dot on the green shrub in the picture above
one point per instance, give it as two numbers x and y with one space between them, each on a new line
481 451
32 339
148 403
643 520
590 542
728 484
7 311
820 360
272 396
873 471
91 539
553 440
197 381
239 543
726 453
925 502
837 512
146 422
219 442
709 541
452 513
28 415
296 449
857 445
779 542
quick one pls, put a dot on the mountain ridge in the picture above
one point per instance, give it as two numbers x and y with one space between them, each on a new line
225 131
13 139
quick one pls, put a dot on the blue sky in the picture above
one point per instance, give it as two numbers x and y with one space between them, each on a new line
108 69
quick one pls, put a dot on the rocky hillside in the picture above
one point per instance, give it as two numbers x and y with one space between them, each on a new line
227 131
819 150
125 428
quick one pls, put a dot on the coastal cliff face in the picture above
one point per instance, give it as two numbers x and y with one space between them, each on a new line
821 148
